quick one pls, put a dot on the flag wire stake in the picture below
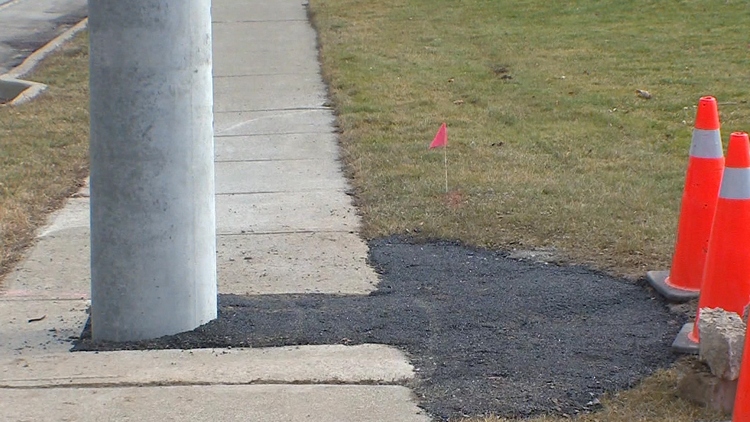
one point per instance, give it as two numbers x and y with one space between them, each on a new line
445 160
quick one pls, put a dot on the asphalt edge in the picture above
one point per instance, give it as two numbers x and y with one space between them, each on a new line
33 89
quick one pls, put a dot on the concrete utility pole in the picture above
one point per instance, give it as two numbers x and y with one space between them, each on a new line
153 235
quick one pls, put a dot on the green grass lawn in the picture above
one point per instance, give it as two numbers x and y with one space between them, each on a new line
549 145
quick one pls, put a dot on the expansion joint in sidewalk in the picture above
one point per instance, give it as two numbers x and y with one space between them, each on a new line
245 75
263 21
266 160
255 110
281 191
43 299
127 384
252 135
283 232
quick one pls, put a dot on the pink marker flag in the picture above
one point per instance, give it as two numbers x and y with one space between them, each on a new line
441 139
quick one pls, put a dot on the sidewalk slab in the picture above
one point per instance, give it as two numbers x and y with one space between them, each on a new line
74 215
283 47
33 327
292 146
237 123
56 267
258 403
279 176
289 62
268 92
284 212
368 363
333 263
277 11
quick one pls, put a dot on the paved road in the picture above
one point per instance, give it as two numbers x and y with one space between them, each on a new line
26 25
284 225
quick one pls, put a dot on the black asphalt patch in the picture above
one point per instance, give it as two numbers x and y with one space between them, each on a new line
486 334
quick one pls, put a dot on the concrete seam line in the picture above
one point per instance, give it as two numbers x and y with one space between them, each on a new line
31 385
36 88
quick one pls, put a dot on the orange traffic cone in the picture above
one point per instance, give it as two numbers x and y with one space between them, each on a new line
741 411
683 281
726 280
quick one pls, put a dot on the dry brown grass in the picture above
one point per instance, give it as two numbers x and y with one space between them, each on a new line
43 149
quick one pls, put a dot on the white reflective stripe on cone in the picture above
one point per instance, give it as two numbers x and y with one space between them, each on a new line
735 184
706 144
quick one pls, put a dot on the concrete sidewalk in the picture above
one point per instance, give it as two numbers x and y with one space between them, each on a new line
285 225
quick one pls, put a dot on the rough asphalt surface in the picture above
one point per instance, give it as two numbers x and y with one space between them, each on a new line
486 334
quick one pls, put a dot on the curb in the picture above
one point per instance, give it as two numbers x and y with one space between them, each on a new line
20 91
8 4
